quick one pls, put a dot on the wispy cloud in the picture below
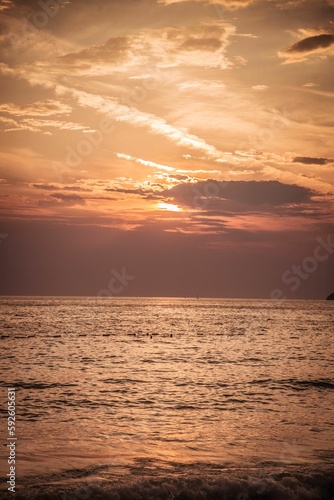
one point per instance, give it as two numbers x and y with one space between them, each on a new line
146 163
178 172
42 126
113 109
230 4
48 107
260 88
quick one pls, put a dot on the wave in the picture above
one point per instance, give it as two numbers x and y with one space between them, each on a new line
297 384
306 384
224 486
37 385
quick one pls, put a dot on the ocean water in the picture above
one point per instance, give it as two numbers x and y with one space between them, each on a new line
160 398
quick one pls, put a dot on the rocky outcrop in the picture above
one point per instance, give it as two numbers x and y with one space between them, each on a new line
330 297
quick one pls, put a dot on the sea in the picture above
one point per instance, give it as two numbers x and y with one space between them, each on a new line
167 398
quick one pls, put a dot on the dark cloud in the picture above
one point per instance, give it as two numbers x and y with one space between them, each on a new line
311 161
179 177
245 193
137 191
312 43
68 199
46 187
52 187
75 188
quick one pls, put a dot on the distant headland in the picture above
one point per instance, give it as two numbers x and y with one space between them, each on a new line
330 297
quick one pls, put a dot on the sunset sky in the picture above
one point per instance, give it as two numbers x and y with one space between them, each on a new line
187 142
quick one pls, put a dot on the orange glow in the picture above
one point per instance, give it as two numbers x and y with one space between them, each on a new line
170 207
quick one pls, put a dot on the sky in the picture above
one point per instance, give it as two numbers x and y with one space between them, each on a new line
167 148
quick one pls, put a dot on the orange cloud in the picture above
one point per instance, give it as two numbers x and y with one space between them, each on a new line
202 45
230 4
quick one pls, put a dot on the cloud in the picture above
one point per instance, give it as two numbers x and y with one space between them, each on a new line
6 4
240 196
13 125
312 43
114 51
45 187
63 199
200 45
146 163
53 187
314 184
69 198
311 161
260 88
208 113
36 125
310 84
34 117
178 173
202 85
306 47
39 108
135 191
6 70
22 42
230 4
112 109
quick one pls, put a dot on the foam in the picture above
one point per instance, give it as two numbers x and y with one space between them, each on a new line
226 486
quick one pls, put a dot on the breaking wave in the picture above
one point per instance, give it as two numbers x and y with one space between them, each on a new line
225 486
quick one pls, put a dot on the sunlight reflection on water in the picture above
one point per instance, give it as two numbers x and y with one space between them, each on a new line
103 381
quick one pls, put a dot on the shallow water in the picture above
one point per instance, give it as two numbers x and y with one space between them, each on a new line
169 389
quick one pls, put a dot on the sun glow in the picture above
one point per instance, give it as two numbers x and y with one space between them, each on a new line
169 206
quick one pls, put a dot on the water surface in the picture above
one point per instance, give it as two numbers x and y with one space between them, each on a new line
178 388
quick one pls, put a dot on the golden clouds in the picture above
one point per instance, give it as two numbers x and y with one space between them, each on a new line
190 92
202 45
38 116
113 53
48 107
